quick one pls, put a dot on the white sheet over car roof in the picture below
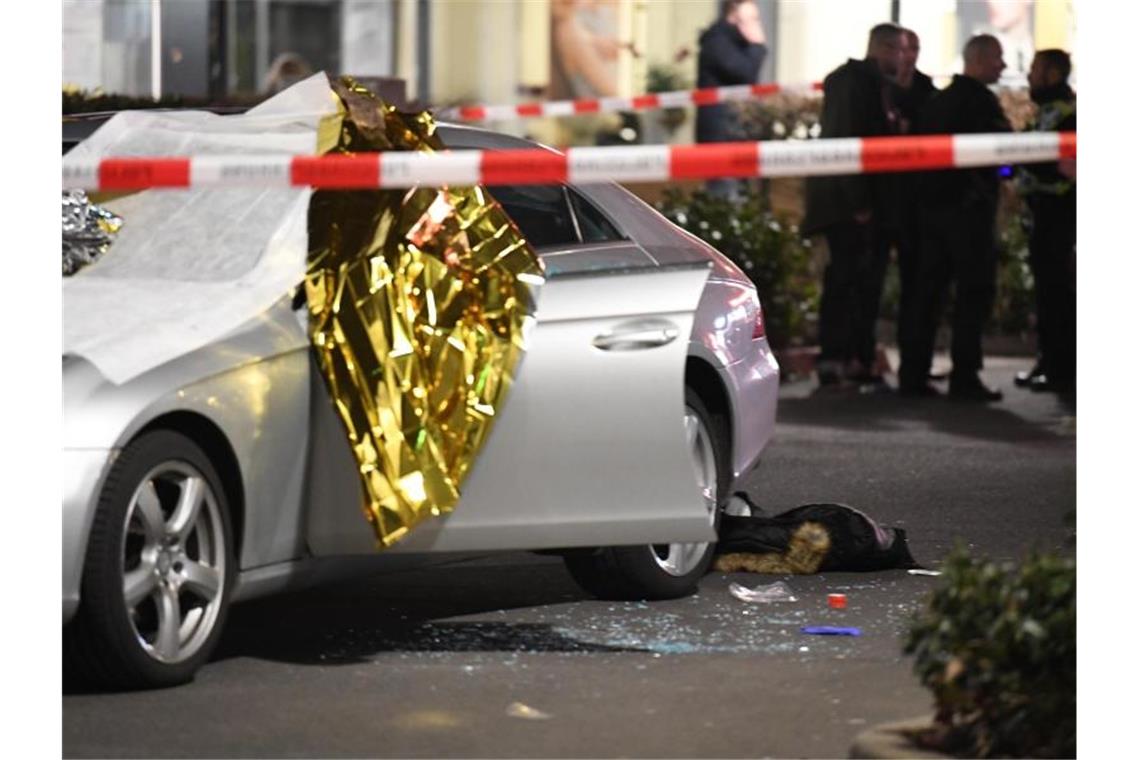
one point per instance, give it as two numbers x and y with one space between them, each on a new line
189 266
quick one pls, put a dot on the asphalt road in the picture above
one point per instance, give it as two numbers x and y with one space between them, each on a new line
428 663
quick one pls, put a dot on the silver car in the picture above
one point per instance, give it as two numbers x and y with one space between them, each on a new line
225 475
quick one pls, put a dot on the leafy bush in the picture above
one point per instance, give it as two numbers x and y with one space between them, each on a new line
1014 301
780 117
997 645
79 101
766 248
663 77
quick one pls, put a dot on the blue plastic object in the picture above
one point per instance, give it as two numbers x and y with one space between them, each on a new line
830 630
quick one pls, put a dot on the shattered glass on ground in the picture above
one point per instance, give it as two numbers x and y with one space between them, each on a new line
713 621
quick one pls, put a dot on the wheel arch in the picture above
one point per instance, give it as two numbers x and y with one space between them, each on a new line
707 383
213 442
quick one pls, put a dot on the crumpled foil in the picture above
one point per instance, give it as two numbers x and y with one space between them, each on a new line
88 231
420 301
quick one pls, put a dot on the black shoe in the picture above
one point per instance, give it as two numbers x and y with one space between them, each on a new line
1024 379
925 390
1045 384
828 379
829 373
973 389
875 386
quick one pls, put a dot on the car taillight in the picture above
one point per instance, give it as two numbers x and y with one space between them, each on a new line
758 328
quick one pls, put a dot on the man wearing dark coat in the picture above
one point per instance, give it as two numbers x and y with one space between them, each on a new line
912 88
851 211
910 94
732 51
1050 192
958 211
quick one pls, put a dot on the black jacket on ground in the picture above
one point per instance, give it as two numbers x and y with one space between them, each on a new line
965 107
854 105
725 59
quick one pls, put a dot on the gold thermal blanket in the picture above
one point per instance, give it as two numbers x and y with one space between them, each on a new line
420 301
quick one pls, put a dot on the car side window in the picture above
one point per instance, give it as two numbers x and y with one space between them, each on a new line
592 223
540 211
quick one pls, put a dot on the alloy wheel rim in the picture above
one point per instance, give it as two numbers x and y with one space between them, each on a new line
682 558
173 566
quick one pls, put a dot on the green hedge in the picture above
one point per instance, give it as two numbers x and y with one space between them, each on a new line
997 646
766 247
76 101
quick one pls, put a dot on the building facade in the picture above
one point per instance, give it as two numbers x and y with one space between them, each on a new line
501 51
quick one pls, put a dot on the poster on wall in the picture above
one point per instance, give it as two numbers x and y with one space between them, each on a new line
1011 21
584 48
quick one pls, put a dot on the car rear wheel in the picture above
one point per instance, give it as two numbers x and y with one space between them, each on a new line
664 571
159 568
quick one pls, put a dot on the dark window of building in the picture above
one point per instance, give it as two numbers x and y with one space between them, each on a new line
540 211
263 36
310 30
241 32
592 223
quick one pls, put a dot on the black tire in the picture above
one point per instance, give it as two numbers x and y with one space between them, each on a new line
105 644
633 572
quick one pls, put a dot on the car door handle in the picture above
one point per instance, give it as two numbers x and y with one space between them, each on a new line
636 335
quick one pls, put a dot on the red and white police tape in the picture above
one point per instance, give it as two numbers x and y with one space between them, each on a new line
674 99
641 163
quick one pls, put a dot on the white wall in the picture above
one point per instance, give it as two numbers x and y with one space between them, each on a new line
676 25
83 43
935 23
818 35
534 43
366 42
474 50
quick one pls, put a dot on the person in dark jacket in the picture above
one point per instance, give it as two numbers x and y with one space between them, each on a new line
1050 192
731 53
912 88
910 95
850 211
958 211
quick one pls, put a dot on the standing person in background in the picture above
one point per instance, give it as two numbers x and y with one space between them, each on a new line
851 212
286 70
912 88
958 211
911 93
732 51
1050 191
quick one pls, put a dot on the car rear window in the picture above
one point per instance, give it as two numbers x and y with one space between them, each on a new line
592 223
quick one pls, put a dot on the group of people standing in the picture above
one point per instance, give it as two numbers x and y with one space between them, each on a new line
941 224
